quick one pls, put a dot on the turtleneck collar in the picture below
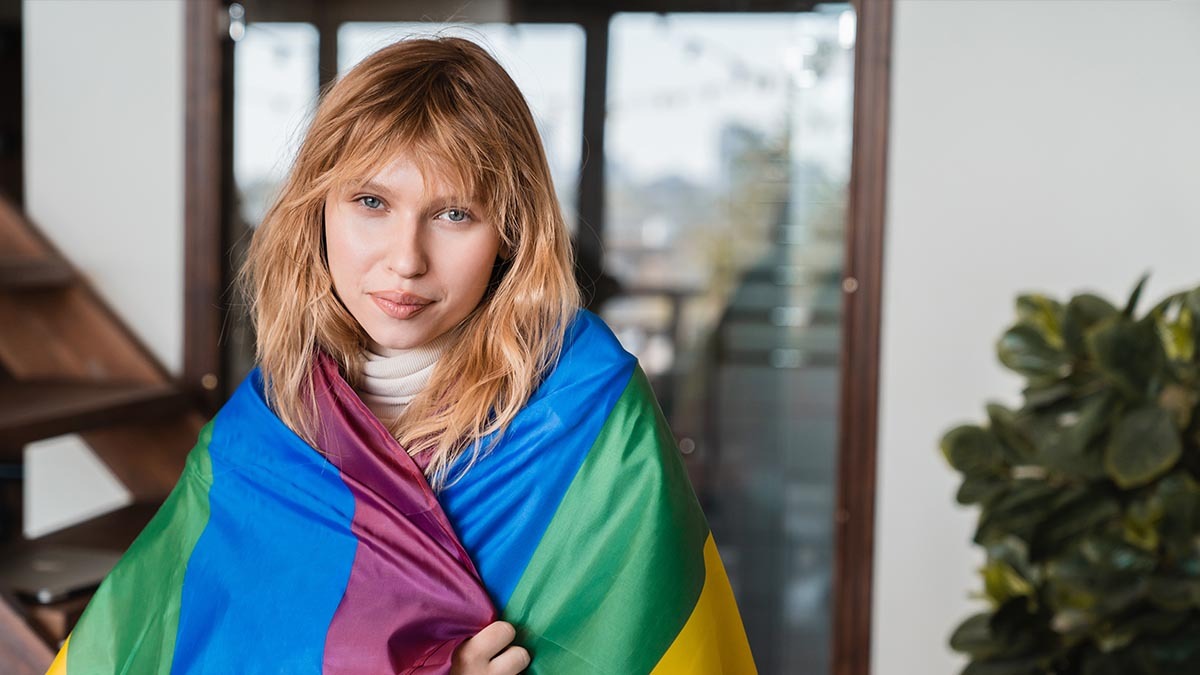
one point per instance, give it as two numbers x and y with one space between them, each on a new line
393 377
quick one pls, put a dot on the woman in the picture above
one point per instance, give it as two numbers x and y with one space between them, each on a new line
437 436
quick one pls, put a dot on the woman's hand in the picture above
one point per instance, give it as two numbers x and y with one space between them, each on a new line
485 654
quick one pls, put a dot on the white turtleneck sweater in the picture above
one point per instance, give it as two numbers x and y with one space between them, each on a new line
393 377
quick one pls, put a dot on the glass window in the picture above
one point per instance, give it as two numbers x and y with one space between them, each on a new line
727 166
275 91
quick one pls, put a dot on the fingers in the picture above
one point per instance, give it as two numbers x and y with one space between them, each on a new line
489 652
488 642
510 662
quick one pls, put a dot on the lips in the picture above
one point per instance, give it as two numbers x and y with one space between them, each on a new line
401 298
400 305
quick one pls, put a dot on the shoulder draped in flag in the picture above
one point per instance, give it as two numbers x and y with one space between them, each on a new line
577 524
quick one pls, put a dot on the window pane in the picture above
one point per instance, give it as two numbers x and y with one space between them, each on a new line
275 90
274 94
727 166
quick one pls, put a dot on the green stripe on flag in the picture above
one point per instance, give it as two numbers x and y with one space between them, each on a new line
621 565
129 626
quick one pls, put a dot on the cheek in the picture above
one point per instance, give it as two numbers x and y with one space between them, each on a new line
340 257
479 259
345 254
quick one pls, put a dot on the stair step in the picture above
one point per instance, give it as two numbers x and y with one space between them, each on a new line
34 274
35 409
113 531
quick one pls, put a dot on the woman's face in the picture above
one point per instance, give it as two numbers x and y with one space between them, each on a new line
409 259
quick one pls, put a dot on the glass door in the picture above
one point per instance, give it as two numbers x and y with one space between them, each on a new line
727 163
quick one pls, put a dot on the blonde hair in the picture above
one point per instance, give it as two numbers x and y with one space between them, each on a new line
453 109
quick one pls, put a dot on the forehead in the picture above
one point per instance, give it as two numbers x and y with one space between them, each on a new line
408 179
410 174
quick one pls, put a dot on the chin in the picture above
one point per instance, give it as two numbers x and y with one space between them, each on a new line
401 343
404 336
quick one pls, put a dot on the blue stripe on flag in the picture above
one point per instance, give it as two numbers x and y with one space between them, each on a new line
500 509
290 543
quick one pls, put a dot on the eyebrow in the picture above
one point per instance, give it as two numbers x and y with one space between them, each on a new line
372 186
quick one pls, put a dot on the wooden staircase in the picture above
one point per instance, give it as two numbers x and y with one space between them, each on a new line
69 365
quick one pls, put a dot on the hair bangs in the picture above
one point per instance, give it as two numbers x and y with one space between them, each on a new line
450 159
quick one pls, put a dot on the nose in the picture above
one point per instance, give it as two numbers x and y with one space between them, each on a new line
406 253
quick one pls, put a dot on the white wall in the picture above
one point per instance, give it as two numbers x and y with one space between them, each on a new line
104 114
104 162
1044 145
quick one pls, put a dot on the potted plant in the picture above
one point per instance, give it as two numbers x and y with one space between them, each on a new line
1089 493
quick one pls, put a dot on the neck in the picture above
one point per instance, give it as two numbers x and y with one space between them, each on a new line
394 377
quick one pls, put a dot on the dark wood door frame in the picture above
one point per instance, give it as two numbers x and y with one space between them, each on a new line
209 156
208 152
862 288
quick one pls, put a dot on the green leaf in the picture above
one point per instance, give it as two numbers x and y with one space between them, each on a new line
1018 666
1178 336
1082 313
1043 314
1065 434
1017 512
1091 418
1192 302
1110 555
1040 395
974 637
1100 663
973 450
1025 350
1152 622
1178 652
1141 521
979 489
1123 593
1072 581
1003 424
1111 640
1014 552
1016 623
1145 444
1128 353
1101 576
1075 513
1180 497
1175 593
1001 583
1131 306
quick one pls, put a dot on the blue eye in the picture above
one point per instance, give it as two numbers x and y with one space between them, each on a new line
463 215
362 201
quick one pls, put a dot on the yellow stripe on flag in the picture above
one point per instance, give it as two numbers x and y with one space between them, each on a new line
712 641
59 667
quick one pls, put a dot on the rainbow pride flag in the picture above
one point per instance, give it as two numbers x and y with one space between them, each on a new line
579 527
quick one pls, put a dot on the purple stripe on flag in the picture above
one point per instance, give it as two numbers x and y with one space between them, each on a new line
413 593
